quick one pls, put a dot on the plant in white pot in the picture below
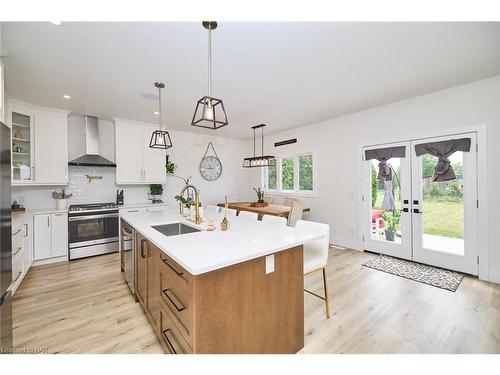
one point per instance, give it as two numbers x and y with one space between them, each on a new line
61 199
156 191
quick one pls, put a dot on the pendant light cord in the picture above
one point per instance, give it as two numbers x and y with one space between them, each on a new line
159 106
210 60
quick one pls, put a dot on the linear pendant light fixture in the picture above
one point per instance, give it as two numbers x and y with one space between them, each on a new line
262 160
160 138
209 112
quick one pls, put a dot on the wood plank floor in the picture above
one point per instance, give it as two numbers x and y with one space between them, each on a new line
85 307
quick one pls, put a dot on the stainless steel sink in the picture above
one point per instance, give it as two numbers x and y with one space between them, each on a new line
175 229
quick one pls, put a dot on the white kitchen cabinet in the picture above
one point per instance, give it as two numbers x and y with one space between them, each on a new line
136 163
39 145
59 234
22 257
51 148
42 237
128 153
50 235
153 160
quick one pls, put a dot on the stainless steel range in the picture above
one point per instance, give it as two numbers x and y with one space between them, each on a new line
92 229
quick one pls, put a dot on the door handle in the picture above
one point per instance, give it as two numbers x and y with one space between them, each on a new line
404 210
417 211
143 241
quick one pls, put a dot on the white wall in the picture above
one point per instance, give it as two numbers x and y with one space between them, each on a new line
336 144
187 153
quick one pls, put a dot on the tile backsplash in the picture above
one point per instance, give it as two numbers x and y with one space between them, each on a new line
96 191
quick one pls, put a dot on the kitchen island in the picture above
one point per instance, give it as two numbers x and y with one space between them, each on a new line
238 291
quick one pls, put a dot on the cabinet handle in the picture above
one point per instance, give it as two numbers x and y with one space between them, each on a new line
26 232
132 211
165 292
142 248
48 221
169 343
17 232
171 267
17 252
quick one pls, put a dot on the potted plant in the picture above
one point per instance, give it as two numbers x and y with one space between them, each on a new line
170 167
186 203
260 195
61 199
391 221
156 191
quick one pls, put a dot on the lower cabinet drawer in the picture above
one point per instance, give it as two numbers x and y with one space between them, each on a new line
178 303
171 337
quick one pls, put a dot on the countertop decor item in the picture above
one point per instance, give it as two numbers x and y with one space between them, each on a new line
224 225
160 138
210 166
262 160
61 199
209 112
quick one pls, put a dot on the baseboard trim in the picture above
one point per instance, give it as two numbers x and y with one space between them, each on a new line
49 261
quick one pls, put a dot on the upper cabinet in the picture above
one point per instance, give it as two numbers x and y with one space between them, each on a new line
39 145
136 163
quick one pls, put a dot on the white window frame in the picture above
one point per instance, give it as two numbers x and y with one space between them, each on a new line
296 177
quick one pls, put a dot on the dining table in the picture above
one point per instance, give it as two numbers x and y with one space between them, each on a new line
270 209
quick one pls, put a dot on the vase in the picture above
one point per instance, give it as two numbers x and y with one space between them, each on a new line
61 204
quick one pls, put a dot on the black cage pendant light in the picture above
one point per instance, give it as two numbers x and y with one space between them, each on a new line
262 160
209 112
160 138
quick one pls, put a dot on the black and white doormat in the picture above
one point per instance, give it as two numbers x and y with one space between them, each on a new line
437 277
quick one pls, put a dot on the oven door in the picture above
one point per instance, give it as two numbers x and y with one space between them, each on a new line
87 229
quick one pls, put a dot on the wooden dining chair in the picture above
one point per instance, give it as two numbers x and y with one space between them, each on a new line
296 211
289 201
316 255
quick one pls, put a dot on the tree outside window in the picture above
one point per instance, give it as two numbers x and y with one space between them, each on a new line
306 172
287 174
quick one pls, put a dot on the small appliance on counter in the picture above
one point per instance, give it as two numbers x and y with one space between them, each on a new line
119 197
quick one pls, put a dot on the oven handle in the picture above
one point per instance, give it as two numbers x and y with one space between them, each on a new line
91 217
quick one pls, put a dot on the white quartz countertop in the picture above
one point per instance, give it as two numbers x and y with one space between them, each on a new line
205 251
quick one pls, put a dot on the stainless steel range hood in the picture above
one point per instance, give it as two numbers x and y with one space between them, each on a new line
92 157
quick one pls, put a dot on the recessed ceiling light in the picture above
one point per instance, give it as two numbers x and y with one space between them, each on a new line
156 113
57 23
66 96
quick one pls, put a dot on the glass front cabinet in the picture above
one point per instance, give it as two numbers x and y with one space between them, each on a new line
22 144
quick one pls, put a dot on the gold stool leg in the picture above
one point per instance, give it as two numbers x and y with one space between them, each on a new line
325 287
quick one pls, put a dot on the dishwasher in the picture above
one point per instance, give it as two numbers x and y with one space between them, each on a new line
128 248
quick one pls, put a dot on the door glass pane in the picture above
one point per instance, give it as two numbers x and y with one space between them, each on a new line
443 207
21 158
386 203
287 174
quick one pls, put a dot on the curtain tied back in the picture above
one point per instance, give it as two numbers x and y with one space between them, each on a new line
442 150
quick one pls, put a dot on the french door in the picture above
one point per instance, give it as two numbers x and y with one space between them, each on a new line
431 222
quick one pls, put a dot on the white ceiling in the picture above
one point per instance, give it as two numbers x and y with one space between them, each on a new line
281 74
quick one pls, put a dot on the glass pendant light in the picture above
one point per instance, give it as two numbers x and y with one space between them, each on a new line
262 160
209 112
160 138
